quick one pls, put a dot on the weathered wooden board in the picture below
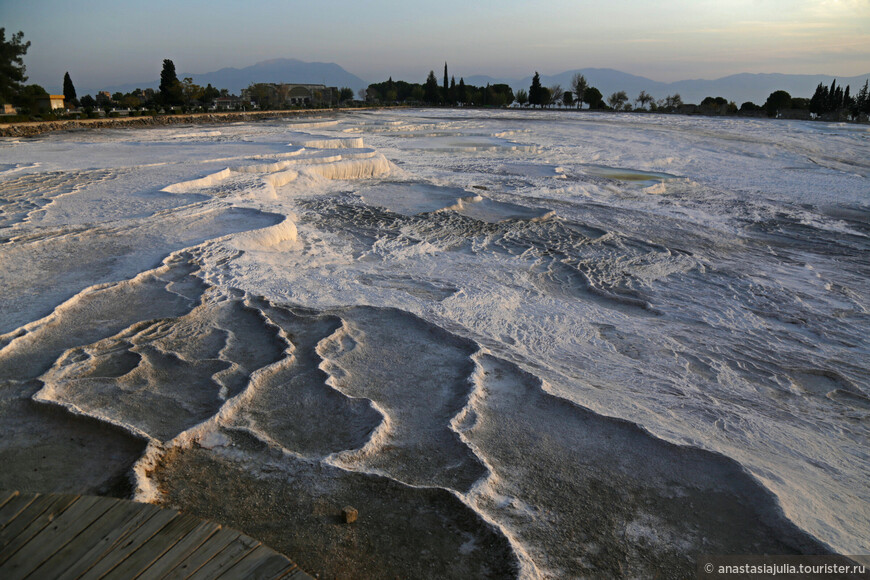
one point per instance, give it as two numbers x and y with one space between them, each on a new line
69 537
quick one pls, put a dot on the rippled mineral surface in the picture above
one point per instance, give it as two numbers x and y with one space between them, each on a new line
519 344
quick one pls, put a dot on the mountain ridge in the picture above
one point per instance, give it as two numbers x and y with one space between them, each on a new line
276 70
739 87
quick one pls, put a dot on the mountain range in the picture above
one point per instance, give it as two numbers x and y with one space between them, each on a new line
279 70
738 88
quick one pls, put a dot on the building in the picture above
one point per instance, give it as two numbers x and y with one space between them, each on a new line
227 103
104 99
49 103
290 95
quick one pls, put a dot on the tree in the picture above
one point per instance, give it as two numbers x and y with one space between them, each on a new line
593 97
579 84
451 94
556 94
170 88
777 101
88 103
345 94
445 88
643 98
832 103
861 102
617 100
462 91
568 98
430 90
191 91
499 95
130 101
262 94
12 65
209 94
671 103
69 91
28 97
535 91
546 97
522 97
819 100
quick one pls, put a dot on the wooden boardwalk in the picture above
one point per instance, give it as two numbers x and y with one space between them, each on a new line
65 537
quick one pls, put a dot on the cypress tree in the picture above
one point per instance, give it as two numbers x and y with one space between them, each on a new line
861 102
170 88
69 91
446 94
462 94
819 102
535 90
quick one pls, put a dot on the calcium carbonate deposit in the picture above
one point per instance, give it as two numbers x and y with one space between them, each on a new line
519 344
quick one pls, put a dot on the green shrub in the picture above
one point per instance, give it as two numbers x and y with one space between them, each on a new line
14 119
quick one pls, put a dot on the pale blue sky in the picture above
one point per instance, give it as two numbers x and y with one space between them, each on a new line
107 42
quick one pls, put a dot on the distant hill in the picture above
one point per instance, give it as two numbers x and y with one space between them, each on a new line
279 70
738 88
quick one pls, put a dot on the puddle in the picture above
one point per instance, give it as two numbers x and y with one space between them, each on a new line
629 175
414 198
492 211
467 143
532 170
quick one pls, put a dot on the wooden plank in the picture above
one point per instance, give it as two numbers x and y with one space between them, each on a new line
5 496
129 544
217 542
181 550
262 563
226 558
38 515
97 540
70 537
25 516
55 536
155 547
13 507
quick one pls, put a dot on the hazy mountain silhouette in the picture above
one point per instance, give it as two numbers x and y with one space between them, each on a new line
738 88
279 70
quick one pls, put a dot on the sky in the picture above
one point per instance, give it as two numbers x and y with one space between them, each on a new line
105 43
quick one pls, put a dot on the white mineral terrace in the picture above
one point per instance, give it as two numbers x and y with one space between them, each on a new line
520 343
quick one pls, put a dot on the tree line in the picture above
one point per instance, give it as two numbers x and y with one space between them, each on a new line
826 101
831 99
187 95
447 93
173 95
